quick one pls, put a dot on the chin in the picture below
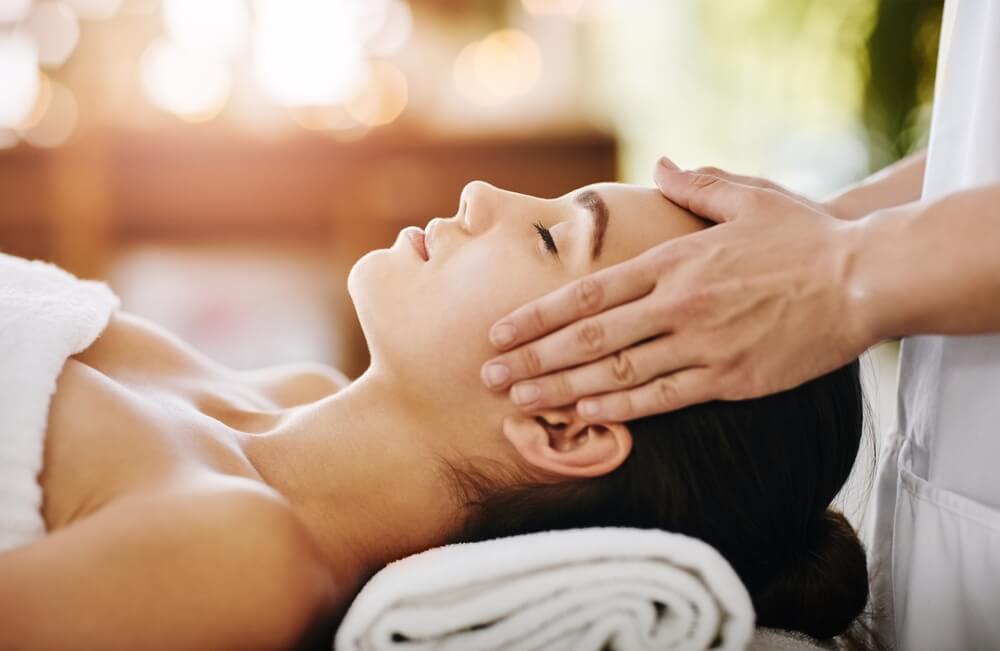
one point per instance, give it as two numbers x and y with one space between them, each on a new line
365 282
380 286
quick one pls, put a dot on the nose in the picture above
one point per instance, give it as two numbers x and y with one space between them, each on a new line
476 209
482 206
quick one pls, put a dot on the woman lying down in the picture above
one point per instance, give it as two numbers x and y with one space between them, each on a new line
190 506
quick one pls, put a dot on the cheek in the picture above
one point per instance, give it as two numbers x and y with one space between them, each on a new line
431 321
464 297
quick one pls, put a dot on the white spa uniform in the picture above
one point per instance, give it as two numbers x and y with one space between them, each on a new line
935 546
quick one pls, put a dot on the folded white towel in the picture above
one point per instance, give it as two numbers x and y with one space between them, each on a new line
574 590
46 315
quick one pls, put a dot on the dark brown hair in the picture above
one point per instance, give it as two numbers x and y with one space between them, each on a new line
752 478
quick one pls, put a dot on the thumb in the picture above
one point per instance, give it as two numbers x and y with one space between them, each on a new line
711 197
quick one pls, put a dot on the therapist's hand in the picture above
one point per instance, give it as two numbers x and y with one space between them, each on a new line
760 303
831 207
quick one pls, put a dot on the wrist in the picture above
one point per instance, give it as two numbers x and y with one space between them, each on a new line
842 206
868 309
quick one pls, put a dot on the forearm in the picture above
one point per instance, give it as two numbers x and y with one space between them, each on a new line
898 184
929 267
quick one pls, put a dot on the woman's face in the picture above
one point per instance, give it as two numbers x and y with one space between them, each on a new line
426 320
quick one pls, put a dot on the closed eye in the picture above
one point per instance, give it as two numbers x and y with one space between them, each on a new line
546 235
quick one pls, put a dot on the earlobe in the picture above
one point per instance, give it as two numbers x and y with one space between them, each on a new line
557 442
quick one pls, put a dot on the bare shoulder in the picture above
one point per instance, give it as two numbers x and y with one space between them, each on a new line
257 532
204 567
268 571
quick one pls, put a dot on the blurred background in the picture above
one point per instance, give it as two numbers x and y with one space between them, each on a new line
222 163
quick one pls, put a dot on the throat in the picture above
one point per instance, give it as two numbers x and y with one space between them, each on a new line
362 474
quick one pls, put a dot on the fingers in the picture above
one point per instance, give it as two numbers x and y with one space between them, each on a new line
753 181
713 197
622 370
665 393
588 339
584 297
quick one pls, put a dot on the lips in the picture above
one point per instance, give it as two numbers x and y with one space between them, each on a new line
416 237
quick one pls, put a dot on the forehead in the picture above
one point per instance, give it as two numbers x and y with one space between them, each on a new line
640 218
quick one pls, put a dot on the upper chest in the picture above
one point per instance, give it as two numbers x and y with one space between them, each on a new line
139 409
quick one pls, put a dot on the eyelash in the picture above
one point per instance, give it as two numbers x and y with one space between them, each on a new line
546 235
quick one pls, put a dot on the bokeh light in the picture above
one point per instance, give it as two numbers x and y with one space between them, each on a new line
505 64
393 30
42 99
18 79
308 53
96 9
54 28
191 86
12 11
549 7
217 27
383 98
323 118
55 125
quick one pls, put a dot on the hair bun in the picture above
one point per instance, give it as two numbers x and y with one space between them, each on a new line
822 588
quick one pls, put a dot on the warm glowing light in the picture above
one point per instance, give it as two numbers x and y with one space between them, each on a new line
369 16
42 101
323 118
58 122
18 79
508 63
349 134
218 27
95 9
383 98
12 11
192 86
549 7
393 32
54 27
505 64
308 52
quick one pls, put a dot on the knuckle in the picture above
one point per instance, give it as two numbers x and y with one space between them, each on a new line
623 370
703 181
624 407
590 336
589 295
666 392
563 387
693 303
531 361
709 170
536 318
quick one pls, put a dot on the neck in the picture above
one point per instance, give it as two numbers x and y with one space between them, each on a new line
361 469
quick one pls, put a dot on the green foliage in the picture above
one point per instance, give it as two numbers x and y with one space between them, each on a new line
901 54
873 59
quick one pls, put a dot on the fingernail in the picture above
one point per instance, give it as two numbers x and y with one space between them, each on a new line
589 408
525 394
502 335
495 374
669 164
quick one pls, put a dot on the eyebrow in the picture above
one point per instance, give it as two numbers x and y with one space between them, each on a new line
594 202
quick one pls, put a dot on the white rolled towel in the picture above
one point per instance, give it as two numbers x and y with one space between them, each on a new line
575 590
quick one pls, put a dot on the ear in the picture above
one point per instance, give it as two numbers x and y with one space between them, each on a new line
558 442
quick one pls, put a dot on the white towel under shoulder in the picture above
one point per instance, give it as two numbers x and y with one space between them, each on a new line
46 315
575 590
